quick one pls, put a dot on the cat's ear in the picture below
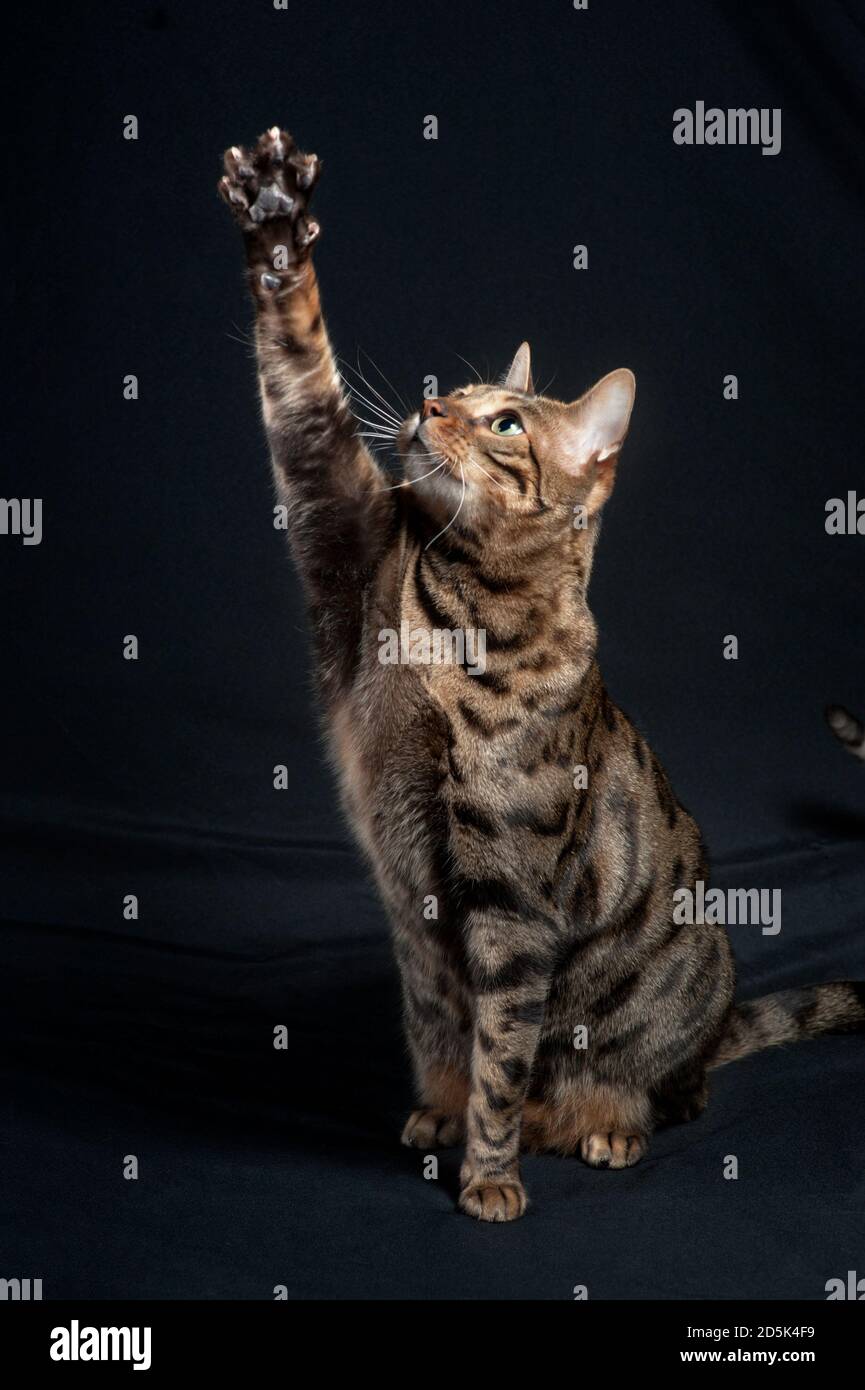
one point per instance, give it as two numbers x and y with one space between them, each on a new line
518 376
594 431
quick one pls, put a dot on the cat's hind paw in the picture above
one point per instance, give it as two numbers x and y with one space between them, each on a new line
432 1129
612 1150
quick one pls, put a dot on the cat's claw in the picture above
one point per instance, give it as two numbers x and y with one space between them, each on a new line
269 188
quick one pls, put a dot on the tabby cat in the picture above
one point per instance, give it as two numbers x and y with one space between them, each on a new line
524 904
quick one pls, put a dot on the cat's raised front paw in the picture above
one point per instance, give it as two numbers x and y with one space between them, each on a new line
268 189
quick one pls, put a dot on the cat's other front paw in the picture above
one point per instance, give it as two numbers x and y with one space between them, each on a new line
268 188
432 1129
494 1201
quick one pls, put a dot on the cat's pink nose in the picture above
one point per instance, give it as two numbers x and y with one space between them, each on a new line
433 407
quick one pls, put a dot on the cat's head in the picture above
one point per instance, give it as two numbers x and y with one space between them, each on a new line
494 454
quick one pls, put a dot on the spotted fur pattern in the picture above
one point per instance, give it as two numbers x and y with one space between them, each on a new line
523 835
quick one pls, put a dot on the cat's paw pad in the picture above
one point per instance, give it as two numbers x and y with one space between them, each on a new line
494 1201
432 1129
612 1150
272 185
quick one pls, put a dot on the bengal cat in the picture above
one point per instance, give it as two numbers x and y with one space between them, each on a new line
524 905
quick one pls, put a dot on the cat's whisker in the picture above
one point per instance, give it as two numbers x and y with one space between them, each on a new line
471 367
383 407
387 381
244 342
410 482
384 403
380 447
368 400
455 515
358 405
370 405
504 487
402 483
395 425
377 426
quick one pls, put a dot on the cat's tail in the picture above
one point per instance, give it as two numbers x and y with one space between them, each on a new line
847 728
790 1016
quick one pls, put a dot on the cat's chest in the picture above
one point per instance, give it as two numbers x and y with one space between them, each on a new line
450 745
504 703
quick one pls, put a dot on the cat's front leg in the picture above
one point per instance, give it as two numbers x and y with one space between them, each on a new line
267 190
337 498
511 987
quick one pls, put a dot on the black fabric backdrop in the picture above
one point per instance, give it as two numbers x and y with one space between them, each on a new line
154 1037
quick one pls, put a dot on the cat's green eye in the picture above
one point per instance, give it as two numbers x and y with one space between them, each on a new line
506 424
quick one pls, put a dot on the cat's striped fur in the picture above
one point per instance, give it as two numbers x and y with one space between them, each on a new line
551 901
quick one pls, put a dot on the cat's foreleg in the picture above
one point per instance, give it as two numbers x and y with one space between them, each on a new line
336 495
437 1020
507 1027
